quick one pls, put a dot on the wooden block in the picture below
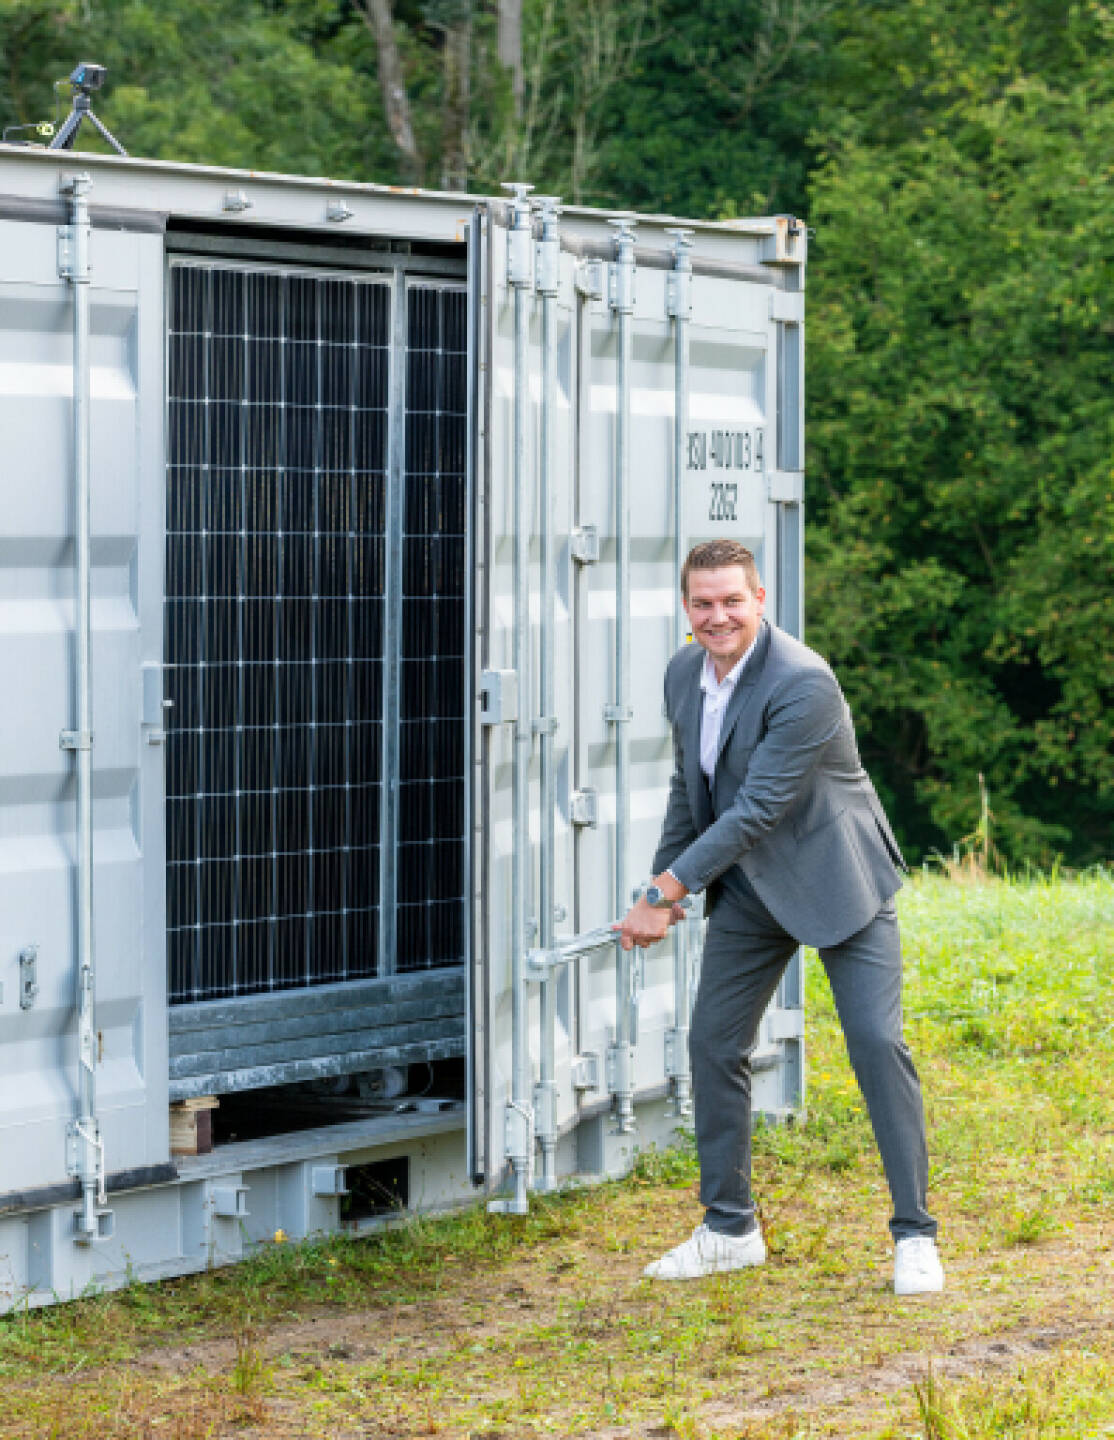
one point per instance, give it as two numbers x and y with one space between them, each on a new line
191 1125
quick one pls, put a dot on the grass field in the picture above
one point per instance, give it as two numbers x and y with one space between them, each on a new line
476 1326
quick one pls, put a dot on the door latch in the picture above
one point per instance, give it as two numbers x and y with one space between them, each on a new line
28 976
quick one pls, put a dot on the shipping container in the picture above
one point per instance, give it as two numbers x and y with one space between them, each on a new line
338 573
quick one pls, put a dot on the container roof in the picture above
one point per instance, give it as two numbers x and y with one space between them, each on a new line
259 198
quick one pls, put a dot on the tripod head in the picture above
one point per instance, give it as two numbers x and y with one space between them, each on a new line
83 80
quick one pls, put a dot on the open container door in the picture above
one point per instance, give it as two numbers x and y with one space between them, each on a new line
524 388
707 311
743 479
620 340
45 1040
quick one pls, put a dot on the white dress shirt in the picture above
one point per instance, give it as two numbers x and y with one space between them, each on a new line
717 695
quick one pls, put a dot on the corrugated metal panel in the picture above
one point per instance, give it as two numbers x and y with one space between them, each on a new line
38 1045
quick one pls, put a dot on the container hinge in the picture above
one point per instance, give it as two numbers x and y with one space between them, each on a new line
498 697
329 1180
66 253
236 201
620 289
518 1132
620 294
787 245
586 1071
520 257
584 545
584 808
785 1024
104 1221
549 262
229 1202
75 740
591 278
676 1051
545 725
545 1109
788 306
73 1148
338 211
786 487
678 295
618 714
155 707
618 1069
78 1142
28 976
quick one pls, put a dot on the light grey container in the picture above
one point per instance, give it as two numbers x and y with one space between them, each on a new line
550 352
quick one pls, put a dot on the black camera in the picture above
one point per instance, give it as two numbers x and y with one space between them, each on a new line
88 77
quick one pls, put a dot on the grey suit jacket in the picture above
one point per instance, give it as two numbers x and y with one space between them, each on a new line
790 805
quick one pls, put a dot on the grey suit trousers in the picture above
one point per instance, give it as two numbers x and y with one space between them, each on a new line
745 955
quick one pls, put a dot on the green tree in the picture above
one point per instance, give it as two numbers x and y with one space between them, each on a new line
961 542
715 118
227 82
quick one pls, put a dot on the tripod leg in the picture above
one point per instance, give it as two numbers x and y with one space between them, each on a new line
65 137
108 135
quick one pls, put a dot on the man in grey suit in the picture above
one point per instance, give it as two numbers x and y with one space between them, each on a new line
772 815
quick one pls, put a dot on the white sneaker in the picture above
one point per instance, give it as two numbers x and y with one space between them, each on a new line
707 1252
917 1268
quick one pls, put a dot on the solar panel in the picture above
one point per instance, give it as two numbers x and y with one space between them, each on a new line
274 626
431 858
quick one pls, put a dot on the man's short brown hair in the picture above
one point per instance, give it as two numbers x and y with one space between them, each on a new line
717 555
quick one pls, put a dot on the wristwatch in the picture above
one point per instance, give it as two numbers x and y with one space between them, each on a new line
654 895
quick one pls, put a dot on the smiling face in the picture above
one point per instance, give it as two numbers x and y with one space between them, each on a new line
724 614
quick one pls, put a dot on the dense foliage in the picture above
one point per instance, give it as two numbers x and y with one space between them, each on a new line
954 162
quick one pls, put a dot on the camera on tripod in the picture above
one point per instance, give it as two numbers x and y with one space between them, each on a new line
84 79
88 77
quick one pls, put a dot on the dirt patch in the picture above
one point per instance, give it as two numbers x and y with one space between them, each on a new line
965 1360
845 1349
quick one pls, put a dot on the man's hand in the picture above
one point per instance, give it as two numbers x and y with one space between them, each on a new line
645 924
